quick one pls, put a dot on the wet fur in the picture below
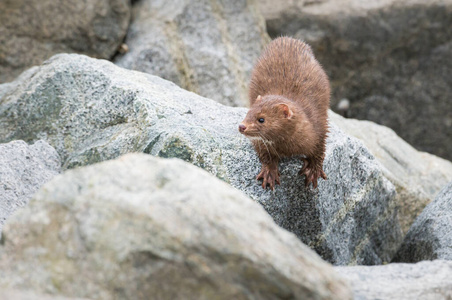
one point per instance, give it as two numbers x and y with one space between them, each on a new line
287 73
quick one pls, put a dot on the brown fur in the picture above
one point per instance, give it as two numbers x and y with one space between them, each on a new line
295 96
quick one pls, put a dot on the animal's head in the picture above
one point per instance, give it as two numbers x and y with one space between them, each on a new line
267 118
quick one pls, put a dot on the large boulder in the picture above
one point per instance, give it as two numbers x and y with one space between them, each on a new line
392 59
207 47
430 237
91 110
417 176
141 227
427 280
31 31
23 170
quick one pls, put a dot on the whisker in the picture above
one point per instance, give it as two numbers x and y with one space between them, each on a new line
270 143
259 146
265 144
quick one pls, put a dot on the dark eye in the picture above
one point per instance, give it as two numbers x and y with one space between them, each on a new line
261 120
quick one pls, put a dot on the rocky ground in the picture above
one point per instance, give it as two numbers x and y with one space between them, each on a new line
119 184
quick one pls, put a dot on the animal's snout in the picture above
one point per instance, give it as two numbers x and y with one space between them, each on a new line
242 128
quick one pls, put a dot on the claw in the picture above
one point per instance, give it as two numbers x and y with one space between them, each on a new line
305 166
314 181
269 175
264 182
312 173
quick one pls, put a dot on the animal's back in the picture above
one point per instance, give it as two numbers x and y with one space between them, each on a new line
288 67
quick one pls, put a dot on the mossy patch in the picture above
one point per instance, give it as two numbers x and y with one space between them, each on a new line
177 148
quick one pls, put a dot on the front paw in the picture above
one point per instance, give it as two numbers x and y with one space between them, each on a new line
312 173
269 176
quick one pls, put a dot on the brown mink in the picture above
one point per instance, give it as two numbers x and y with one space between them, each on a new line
289 98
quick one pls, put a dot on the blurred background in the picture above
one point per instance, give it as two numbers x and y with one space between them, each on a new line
389 61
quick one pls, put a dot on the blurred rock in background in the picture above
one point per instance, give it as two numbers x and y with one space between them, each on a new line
31 31
208 47
392 59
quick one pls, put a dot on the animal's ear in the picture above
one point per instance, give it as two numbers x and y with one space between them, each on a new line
259 98
286 110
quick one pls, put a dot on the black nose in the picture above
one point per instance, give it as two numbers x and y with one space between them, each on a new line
242 128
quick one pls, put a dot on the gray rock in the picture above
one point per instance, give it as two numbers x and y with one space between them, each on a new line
31 31
23 170
417 176
141 227
430 236
91 110
205 46
22 295
427 280
392 59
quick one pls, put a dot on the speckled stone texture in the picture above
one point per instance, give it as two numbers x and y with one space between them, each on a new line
23 170
417 176
91 110
430 236
142 227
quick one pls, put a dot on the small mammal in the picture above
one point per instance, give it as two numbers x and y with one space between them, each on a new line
289 97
